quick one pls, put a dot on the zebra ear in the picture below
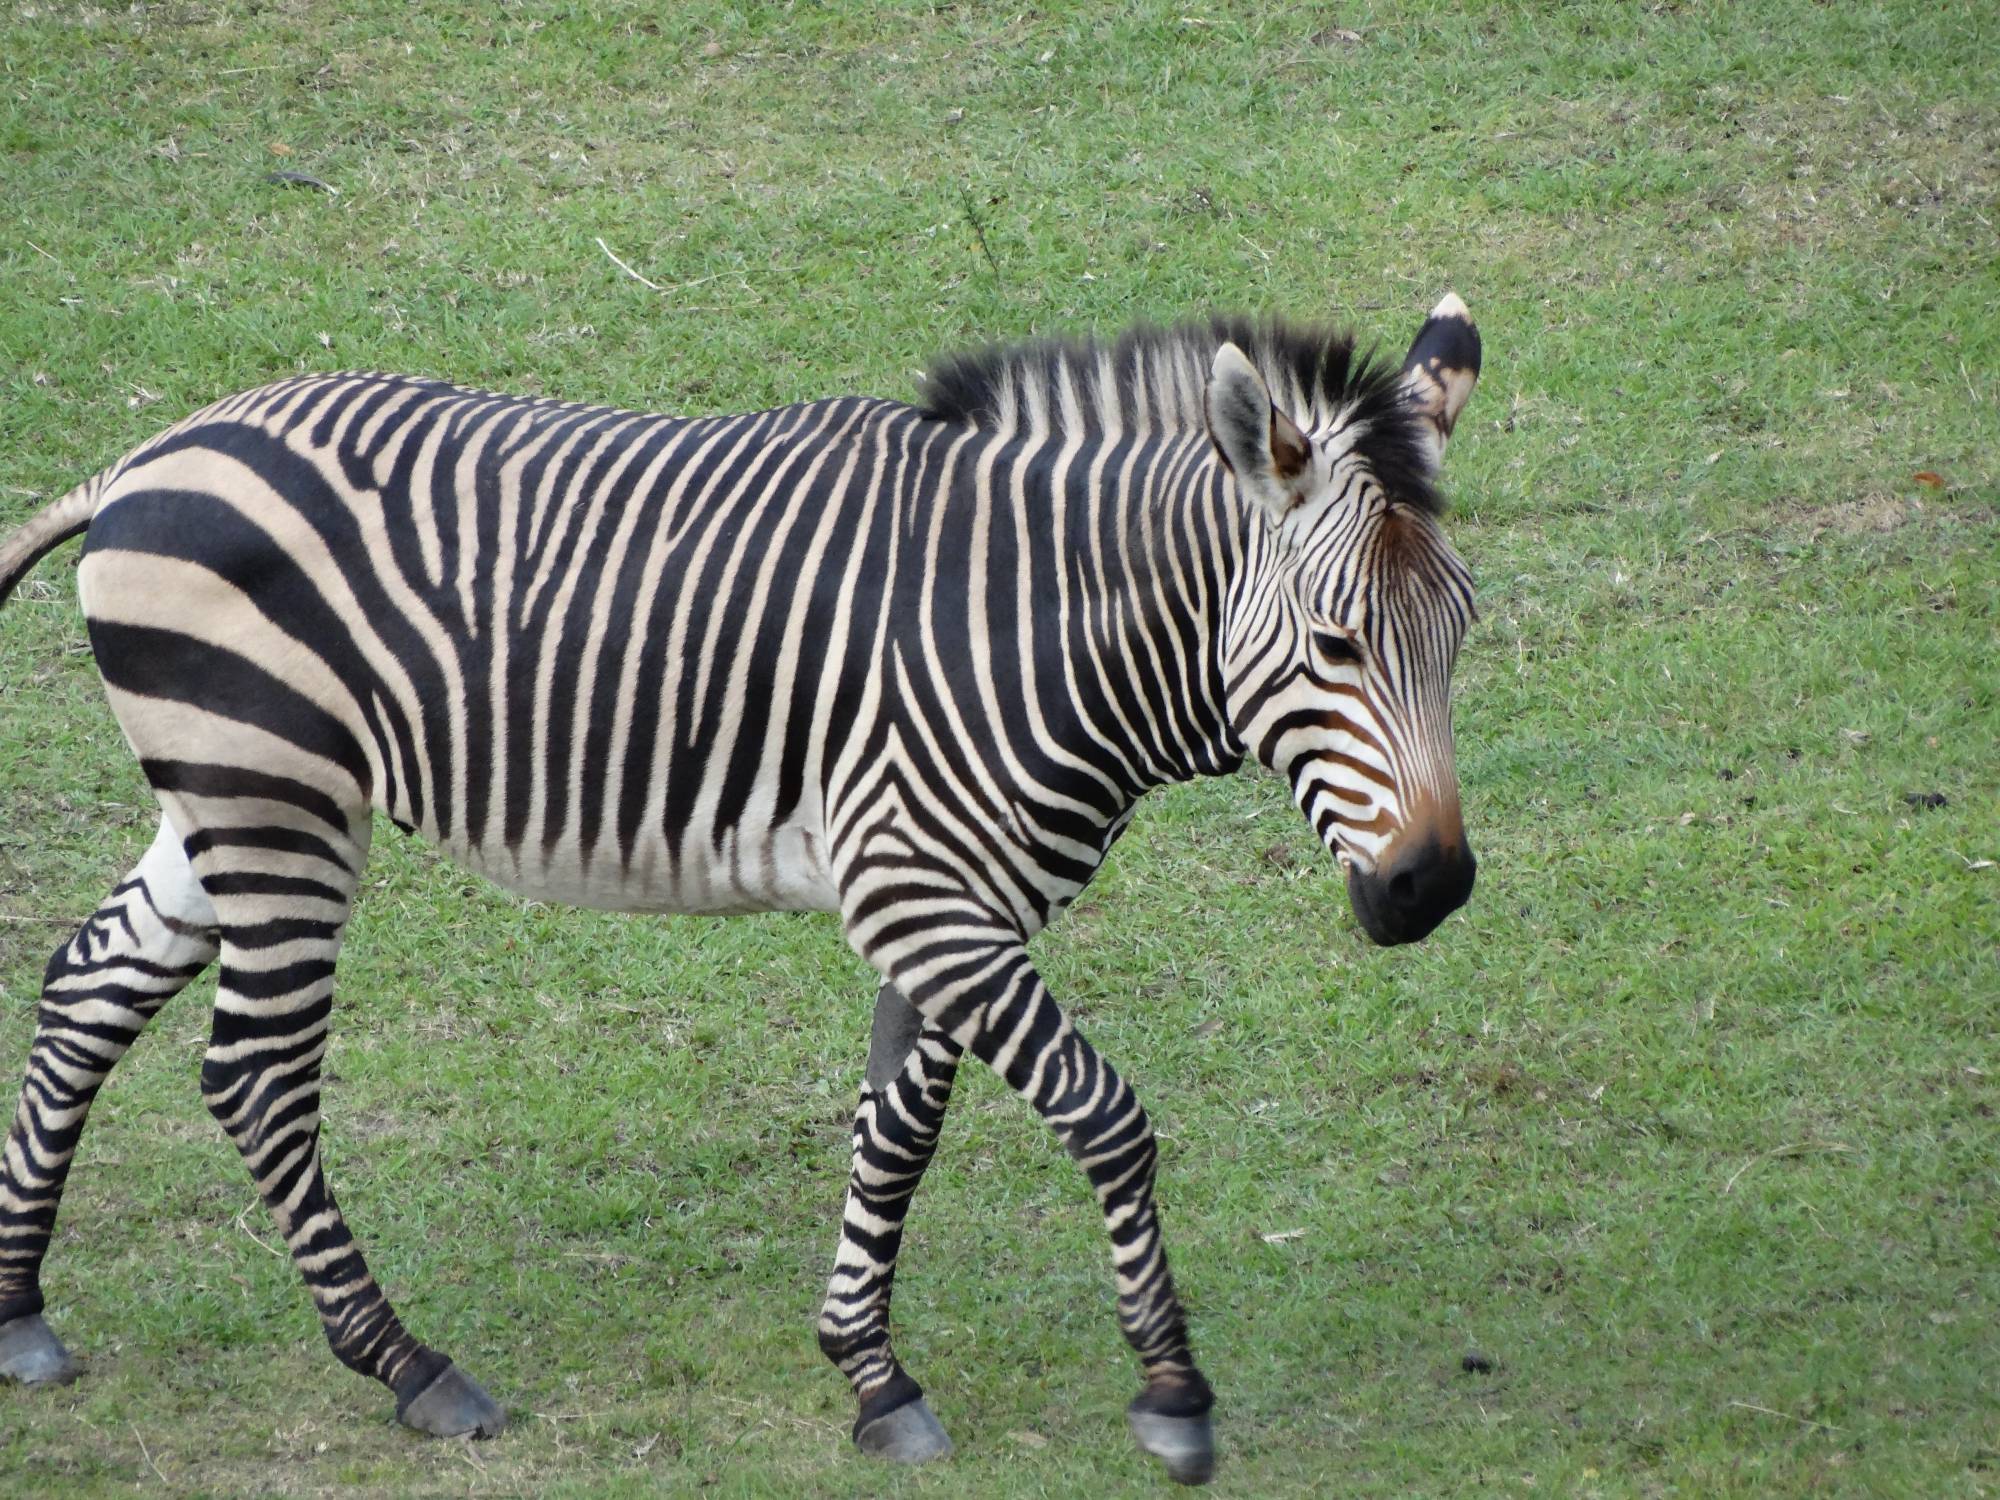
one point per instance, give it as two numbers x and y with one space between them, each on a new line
1441 369
1270 457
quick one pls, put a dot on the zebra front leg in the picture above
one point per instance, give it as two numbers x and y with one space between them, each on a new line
983 992
903 1101
152 935
282 919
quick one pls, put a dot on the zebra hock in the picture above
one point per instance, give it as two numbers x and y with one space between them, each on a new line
912 664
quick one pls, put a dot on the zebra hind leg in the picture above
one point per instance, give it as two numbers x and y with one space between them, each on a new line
282 896
152 935
910 1071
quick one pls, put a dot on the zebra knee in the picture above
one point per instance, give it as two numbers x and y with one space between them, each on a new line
224 1082
218 1085
1115 1143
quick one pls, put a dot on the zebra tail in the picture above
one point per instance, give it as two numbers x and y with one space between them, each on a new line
51 526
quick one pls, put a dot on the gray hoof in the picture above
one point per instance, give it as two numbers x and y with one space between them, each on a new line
1186 1445
907 1435
453 1405
32 1354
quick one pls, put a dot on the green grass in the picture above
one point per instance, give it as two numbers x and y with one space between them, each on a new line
1688 1121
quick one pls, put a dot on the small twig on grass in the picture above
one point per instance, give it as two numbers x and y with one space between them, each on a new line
613 256
683 286
1797 1148
979 232
1767 1411
148 1452
253 1233
302 179
768 1418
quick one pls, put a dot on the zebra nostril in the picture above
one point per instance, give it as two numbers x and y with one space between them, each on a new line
1403 888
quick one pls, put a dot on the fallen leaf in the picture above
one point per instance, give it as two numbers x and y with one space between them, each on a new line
279 148
1280 1236
1027 1439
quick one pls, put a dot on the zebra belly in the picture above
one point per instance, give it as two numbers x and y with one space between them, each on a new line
782 869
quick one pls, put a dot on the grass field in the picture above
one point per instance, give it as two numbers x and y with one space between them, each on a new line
1687 1122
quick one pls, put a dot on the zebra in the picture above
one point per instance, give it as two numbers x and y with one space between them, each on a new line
912 664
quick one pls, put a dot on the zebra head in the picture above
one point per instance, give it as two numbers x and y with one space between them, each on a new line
1339 649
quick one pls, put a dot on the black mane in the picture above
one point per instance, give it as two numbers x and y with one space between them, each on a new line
1158 378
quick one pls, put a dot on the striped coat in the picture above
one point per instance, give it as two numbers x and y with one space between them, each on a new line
913 665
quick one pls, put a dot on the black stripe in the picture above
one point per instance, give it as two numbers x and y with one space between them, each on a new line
186 669
198 779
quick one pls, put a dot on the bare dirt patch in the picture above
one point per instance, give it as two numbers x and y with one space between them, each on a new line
1875 513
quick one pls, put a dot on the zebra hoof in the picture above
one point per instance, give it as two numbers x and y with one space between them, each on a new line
1186 1445
453 1405
907 1435
32 1354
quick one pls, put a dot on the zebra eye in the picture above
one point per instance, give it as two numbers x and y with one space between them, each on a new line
1335 648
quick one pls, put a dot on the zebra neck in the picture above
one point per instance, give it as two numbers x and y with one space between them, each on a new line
1157 547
